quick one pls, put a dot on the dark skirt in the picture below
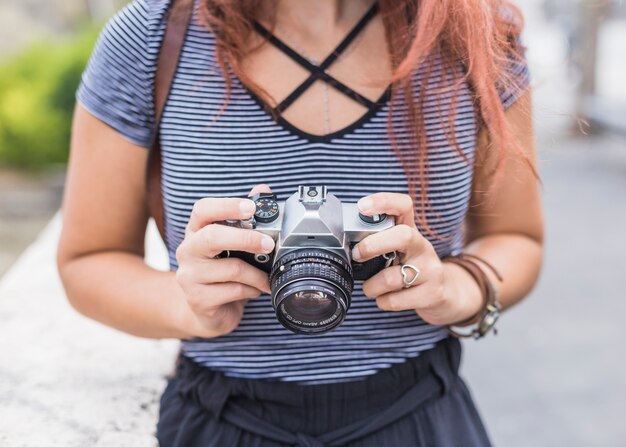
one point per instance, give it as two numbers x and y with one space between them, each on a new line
422 402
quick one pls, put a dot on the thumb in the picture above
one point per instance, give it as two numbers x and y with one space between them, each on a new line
259 189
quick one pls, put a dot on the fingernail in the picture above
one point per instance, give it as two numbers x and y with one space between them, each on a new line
365 204
356 255
267 244
247 207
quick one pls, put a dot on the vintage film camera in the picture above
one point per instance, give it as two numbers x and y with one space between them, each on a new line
310 270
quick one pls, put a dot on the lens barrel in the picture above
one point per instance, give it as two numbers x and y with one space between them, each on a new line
311 290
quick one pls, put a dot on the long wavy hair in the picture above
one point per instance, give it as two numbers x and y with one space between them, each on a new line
483 35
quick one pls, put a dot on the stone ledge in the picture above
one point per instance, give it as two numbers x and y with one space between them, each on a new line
66 380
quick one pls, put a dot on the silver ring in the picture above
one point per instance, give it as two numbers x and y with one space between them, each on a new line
389 258
408 283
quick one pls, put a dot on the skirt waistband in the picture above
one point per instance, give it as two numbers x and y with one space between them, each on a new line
427 376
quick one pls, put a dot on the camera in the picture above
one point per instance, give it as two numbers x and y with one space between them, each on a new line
311 270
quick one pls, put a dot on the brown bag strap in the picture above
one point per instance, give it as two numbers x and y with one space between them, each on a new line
178 21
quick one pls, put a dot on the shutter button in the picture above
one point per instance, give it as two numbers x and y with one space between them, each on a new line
373 220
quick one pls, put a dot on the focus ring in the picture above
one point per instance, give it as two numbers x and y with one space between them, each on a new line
313 270
315 263
313 254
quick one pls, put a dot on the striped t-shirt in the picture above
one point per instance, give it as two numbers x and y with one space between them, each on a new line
210 154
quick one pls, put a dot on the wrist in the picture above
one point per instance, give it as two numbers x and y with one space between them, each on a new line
461 289
181 318
186 323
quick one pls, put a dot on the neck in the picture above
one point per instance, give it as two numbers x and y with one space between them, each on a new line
318 16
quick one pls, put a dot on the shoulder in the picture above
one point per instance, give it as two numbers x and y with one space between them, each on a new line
140 23
117 84
136 32
132 37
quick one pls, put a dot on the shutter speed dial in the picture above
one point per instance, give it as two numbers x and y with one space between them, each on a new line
266 208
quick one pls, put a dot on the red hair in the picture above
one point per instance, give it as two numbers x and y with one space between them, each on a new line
483 35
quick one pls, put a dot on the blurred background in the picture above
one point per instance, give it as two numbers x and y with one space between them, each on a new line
554 376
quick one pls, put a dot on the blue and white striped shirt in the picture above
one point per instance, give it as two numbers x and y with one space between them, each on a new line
209 155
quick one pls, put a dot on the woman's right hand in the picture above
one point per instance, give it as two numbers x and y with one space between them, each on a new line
216 290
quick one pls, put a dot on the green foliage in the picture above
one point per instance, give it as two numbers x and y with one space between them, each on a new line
37 90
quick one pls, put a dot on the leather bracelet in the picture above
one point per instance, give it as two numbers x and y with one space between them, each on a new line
490 311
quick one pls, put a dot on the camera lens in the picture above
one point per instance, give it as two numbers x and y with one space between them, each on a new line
311 290
310 305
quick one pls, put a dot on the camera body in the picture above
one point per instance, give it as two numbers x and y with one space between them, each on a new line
311 264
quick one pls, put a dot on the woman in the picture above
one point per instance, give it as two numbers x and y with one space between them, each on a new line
421 112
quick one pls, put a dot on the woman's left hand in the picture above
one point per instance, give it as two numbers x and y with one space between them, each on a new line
442 293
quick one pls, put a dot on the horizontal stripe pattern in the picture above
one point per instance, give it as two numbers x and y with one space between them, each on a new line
208 154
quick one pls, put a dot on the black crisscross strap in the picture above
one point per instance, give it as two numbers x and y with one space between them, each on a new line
318 72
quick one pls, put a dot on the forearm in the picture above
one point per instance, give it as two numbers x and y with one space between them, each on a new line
518 259
118 289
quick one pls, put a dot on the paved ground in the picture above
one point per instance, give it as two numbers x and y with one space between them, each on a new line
27 203
65 380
